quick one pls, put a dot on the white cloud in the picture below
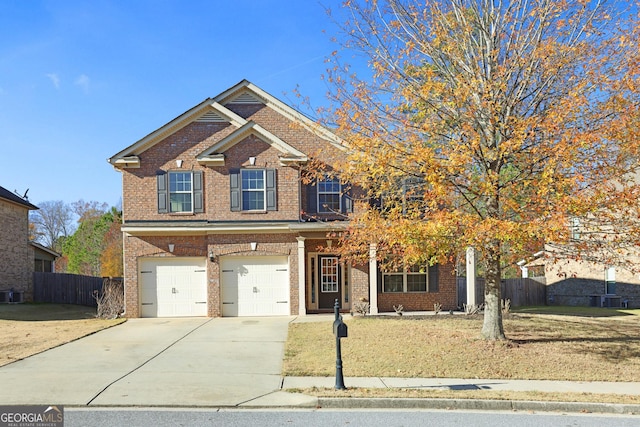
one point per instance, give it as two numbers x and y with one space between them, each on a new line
54 79
83 81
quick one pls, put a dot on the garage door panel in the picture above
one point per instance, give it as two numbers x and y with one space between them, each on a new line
255 286
228 290
173 287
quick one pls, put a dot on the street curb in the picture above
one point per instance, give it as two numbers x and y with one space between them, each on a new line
475 404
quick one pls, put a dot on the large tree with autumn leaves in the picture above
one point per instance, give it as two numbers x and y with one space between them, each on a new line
489 124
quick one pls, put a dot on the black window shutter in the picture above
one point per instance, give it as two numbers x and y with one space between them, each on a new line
271 189
163 192
312 199
347 202
234 180
197 192
433 278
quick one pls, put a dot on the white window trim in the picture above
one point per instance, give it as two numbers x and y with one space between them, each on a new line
190 192
575 228
609 277
334 285
263 190
321 208
405 274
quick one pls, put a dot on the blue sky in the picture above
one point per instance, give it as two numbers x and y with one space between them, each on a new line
81 80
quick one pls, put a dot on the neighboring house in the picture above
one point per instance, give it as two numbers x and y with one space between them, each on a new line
16 261
591 284
584 283
218 220
44 259
587 281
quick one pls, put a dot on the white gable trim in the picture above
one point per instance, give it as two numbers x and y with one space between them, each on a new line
246 92
214 154
228 97
232 117
154 137
128 158
126 162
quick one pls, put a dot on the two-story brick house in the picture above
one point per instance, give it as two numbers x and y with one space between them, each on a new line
218 220
16 256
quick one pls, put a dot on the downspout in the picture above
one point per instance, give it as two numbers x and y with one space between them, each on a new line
124 258
300 193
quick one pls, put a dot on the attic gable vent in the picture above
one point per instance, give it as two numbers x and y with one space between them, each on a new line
246 98
211 117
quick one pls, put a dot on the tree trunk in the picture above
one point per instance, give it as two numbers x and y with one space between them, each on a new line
492 328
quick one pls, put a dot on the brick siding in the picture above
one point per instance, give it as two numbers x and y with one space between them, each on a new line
447 295
16 260
201 246
574 283
140 200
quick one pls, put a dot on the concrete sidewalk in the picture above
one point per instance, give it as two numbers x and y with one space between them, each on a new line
597 387
297 383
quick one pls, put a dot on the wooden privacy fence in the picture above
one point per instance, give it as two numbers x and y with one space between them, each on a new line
62 288
521 291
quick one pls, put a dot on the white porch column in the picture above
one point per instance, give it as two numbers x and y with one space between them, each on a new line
525 272
302 283
373 279
471 277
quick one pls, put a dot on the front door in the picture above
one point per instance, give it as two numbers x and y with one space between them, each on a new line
329 279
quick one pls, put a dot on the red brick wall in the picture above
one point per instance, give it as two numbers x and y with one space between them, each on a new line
290 132
240 244
218 203
200 246
424 301
140 199
359 283
139 185
16 258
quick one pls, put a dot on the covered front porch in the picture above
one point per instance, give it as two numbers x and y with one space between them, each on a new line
323 277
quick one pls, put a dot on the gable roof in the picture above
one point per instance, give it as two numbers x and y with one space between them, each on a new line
214 154
14 198
245 87
213 110
45 249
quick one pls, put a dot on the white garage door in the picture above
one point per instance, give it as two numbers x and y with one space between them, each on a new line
255 286
173 287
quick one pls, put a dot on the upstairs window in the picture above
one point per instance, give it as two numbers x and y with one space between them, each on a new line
179 192
329 195
253 190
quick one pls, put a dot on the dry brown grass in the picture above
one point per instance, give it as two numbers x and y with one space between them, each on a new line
540 346
27 329
470 394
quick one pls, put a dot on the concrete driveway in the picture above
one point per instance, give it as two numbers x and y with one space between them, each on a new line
163 362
